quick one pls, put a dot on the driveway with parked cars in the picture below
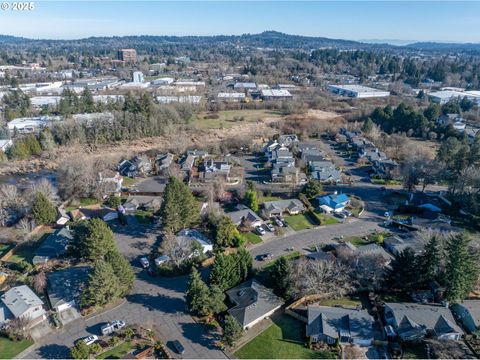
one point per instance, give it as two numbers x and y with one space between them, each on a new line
156 303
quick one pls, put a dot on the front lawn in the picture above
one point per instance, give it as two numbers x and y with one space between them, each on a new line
268 198
325 219
298 222
285 339
118 352
9 349
252 238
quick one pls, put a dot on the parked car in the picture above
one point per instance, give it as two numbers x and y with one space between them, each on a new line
277 221
270 227
346 213
386 214
178 347
107 329
144 262
260 230
89 340
118 324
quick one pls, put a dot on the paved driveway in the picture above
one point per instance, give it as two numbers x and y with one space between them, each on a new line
157 303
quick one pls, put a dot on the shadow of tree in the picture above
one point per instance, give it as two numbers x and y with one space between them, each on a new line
54 351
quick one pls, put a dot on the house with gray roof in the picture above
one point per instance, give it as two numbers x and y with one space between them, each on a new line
349 326
468 314
64 287
22 302
253 303
53 246
374 250
279 207
412 321
245 215
397 243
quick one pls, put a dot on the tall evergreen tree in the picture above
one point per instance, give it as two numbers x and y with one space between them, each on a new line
216 300
102 286
123 271
226 232
461 269
251 200
232 331
198 295
403 272
429 261
43 210
94 239
279 276
179 209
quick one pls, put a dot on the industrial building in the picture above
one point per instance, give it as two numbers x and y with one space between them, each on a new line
357 91
231 97
275 94
444 96
138 77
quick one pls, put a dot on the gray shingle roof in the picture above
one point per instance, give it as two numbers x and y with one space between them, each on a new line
247 214
253 301
66 285
19 299
53 246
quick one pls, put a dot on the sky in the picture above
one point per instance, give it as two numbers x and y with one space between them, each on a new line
407 21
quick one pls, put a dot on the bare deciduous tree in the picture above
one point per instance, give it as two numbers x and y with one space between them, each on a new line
39 282
308 277
178 249
45 187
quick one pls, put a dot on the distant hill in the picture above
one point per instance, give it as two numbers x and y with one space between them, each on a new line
266 39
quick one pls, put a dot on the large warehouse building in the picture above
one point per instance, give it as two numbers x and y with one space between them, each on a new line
357 91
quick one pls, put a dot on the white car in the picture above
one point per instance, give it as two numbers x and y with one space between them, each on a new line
89 340
270 227
145 263
118 324
260 230
277 221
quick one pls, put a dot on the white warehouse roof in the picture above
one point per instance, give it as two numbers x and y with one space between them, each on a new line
233 95
359 91
276 93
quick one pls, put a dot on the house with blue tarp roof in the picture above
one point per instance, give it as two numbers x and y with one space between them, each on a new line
334 202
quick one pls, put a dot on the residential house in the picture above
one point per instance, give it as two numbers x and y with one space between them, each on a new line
163 163
191 235
288 140
21 302
468 314
331 324
321 256
187 164
215 170
285 174
374 250
312 155
53 246
65 286
245 216
111 180
279 207
333 203
151 186
202 154
397 243
145 202
384 168
412 321
63 217
455 120
324 171
253 303
138 166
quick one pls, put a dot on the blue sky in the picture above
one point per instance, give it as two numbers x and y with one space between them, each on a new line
357 20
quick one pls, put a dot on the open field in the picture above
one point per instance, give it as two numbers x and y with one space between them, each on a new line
285 339
230 118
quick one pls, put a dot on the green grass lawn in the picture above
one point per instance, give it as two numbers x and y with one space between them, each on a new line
252 238
26 252
128 182
8 348
298 222
292 255
117 352
268 198
144 217
325 219
285 339
230 118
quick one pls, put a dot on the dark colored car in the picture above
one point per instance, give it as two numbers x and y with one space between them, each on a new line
178 347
